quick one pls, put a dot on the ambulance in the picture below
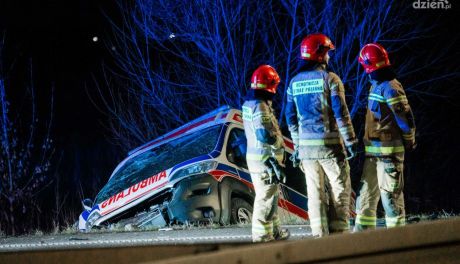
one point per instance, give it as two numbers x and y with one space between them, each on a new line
195 173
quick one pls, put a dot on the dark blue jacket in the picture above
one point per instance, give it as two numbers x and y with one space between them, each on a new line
389 120
317 115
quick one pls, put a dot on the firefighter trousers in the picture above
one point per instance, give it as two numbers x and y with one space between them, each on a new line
381 178
328 218
265 220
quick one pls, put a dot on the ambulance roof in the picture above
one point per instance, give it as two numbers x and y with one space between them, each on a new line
220 115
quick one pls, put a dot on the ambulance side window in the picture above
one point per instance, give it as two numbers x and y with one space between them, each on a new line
236 147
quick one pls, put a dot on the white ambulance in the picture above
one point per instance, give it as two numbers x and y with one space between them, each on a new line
195 173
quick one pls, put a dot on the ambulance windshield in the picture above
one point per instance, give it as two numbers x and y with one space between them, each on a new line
159 159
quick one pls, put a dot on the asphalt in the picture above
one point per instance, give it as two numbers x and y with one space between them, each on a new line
187 236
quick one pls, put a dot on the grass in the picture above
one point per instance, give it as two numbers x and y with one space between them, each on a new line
443 214
38 233
71 228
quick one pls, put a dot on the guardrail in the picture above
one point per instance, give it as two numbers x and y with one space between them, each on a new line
435 242
111 255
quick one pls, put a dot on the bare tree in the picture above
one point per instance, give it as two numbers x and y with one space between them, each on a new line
179 59
25 157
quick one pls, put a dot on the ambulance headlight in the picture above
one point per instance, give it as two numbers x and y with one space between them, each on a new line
91 219
197 168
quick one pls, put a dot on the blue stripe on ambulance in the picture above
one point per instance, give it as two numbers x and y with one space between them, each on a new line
246 176
85 214
214 154
190 161
294 197
227 168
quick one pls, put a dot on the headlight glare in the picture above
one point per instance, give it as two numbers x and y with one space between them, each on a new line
197 168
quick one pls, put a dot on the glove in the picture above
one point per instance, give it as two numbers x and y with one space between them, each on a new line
280 176
275 171
295 158
271 174
278 143
352 150
279 154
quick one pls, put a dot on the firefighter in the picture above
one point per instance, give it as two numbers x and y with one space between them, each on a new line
265 142
389 131
320 126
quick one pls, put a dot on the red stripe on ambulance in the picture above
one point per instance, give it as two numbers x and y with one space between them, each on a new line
137 190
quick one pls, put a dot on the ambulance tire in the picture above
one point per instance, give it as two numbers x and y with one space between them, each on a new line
241 211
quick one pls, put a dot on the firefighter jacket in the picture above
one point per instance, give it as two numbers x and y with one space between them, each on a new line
262 131
317 115
389 120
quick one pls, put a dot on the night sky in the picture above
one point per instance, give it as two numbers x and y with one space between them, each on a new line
58 37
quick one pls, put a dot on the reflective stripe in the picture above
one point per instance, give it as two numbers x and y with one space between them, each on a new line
318 221
247 113
259 228
313 135
408 136
319 142
251 156
258 85
396 100
369 218
306 55
325 108
384 150
366 220
380 63
346 129
366 223
395 221
377 97
261 114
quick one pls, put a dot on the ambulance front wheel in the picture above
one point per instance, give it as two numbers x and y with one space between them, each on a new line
241 211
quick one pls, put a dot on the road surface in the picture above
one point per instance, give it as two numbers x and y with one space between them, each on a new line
189 236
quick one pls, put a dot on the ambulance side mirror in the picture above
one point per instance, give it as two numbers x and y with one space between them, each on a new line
87 204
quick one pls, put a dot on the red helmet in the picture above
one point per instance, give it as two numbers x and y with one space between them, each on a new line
265 78
315 46
373 56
